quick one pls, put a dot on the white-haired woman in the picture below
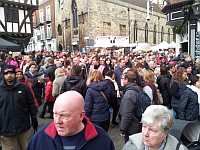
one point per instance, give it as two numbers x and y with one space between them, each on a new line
156 121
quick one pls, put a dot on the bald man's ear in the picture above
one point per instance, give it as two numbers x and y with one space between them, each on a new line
82 115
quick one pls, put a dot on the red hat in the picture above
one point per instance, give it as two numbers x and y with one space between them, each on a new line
19 70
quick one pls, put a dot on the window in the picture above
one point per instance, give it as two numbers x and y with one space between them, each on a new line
59 30
106 28
162 34
59 3
122 30
12 15
42 33
41 16
154 34
48 13
74 14
49 31
168 35
146 33
135 31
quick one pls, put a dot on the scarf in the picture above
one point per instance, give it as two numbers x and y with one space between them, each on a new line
115 84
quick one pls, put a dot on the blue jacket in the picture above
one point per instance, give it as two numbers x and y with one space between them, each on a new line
176 90
96 107
47 138
188 107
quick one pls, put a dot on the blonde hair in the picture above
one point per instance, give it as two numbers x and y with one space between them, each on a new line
149 76
95 76
59 71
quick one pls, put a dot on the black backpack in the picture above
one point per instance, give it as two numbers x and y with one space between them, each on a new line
142 102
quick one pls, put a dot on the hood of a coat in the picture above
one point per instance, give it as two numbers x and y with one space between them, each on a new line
99 86
73 80
126 87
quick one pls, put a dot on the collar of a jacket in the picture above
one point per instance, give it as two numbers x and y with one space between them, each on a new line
90 131
2 83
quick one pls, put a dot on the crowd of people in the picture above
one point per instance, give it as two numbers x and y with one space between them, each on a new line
106 85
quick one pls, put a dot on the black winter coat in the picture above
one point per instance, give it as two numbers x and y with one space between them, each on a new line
75 83
163 83
16 106
188 108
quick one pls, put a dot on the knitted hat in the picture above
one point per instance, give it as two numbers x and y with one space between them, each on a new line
8 68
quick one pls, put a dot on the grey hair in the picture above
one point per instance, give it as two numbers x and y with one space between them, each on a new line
158 113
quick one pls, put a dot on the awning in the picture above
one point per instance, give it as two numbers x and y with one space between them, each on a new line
8 46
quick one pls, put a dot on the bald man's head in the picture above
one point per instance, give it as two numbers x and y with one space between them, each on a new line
69 113
72 99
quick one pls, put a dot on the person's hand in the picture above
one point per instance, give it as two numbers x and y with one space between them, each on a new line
34 123
40 79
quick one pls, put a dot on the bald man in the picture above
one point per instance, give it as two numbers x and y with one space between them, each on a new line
71 129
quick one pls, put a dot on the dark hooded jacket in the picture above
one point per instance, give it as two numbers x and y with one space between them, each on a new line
129 123
164 87
75 83
16 106
48 139
96 107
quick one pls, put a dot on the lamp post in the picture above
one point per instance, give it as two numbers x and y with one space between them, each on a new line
88 24
129 26
196 11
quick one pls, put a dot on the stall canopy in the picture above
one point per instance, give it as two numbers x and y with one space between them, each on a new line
142 47
172 45
161 46
8 46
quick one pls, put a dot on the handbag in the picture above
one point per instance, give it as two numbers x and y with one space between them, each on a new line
194 145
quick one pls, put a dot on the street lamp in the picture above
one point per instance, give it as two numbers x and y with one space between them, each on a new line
196 10
129 25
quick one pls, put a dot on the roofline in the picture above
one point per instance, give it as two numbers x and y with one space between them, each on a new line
169 7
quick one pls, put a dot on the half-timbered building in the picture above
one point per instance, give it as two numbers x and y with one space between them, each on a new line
16 20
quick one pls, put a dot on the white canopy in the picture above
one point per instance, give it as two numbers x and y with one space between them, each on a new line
163 45
142 47
172 45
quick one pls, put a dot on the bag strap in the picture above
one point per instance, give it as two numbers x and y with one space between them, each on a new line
104 96
178 145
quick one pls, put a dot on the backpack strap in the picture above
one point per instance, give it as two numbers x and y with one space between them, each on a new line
178 145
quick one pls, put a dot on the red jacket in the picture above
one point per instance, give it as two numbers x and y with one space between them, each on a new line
30 86
48 91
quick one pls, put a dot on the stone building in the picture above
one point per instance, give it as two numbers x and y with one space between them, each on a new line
78 23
